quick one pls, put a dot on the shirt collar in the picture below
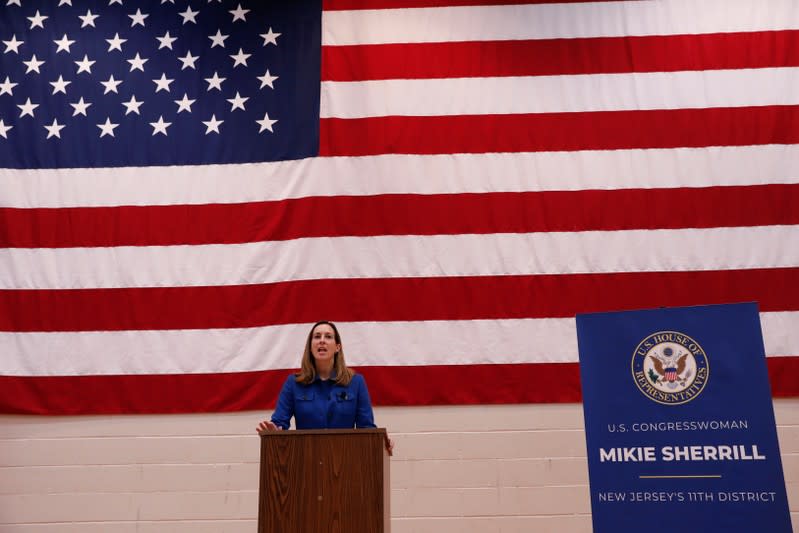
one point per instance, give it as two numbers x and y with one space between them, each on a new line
332 376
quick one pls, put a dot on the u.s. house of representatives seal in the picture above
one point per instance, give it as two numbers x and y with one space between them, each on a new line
670 367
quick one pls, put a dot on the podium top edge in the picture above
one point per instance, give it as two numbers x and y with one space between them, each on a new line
301 432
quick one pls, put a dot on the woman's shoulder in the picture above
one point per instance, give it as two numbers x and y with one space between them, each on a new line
357 380
291 380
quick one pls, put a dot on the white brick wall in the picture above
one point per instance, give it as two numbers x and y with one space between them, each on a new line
475 469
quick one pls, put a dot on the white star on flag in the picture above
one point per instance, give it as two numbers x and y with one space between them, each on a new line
160 126
12 45
212 125
237 102
80 107
137 63
239 13
185 103
188 61
266 123
107 128
138 18
166 41
267 79
111 85
218 39
215 82
88 19
189 15
85 65
4 129
60 86
37 20
63 44
115 43
7 87
33 65
132 106
27 108
270 37
240 58
162 84
54 129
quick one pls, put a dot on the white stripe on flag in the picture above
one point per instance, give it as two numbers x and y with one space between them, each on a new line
560 94
241 350
414 174
401 256
556 21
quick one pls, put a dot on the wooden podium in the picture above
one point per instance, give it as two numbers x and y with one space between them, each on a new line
331 480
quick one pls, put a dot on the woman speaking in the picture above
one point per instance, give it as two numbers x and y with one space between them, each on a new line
324 394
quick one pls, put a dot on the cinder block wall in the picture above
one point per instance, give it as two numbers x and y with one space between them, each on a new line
476 469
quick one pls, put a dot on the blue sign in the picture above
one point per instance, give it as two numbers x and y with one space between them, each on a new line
679 422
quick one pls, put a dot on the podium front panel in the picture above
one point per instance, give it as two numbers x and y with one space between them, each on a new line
325 481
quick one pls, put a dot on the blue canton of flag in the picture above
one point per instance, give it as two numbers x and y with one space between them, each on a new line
120 83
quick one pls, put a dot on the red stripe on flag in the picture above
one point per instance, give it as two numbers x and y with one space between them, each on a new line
782 372
397 299
659 53
400 214
139 394
600 130
187 393
349 5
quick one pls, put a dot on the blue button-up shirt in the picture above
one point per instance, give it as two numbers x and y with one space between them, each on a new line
324 405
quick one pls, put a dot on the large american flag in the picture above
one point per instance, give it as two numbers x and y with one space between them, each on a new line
187 185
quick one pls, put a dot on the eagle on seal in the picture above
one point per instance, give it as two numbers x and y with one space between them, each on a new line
671 373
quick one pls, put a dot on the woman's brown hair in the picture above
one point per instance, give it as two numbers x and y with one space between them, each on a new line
307 371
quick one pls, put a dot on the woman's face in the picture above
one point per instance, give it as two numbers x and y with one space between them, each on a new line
323 343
